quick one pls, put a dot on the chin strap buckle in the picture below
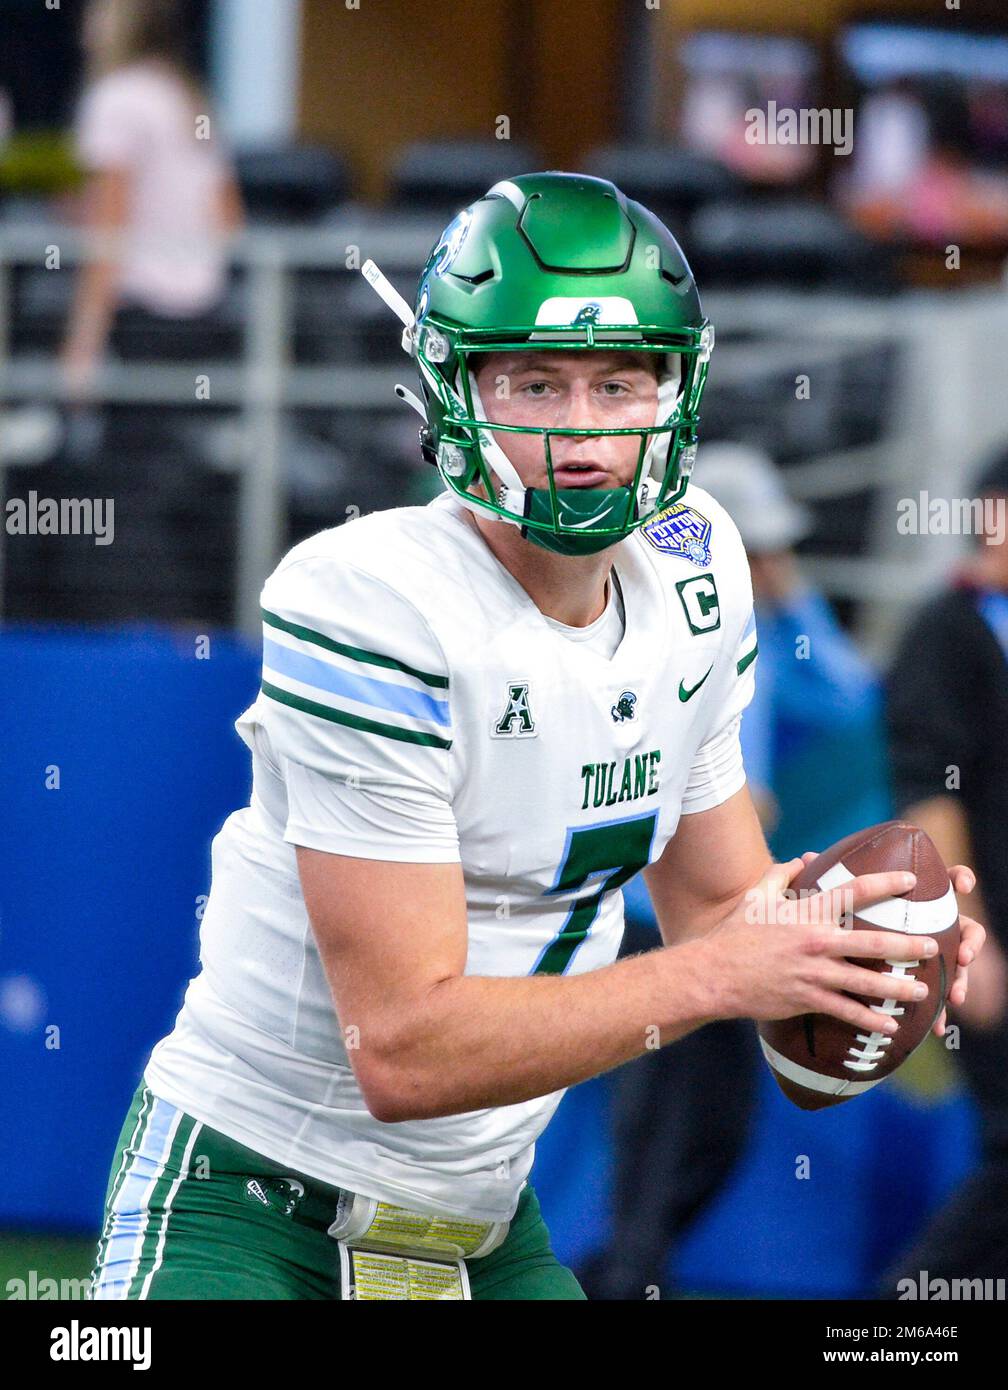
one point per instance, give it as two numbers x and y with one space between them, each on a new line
427 449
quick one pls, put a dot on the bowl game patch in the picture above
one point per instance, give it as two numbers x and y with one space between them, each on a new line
681 530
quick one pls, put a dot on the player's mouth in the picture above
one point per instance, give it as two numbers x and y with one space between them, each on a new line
581 475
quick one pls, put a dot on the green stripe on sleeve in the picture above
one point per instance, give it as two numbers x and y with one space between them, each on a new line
308 634
353 721
747 660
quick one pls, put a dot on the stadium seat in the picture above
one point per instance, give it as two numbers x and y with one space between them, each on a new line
289 183
445 175
793 242
674 183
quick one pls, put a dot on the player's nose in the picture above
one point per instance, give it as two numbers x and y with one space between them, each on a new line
579 410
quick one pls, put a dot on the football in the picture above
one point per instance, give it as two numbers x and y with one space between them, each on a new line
818 1060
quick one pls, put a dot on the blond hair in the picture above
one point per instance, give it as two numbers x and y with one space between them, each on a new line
146 30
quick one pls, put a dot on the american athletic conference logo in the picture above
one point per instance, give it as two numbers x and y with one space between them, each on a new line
516 720
624 707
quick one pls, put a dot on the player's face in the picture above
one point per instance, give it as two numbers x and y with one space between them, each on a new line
572 390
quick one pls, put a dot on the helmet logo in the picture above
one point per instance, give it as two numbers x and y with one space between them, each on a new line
624 707
564 310
588 313
451 243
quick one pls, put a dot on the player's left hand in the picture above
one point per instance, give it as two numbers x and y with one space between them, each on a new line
972 937
971 940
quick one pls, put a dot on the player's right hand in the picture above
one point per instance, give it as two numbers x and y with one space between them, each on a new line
777 954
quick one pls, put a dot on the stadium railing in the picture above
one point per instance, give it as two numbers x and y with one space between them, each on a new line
942 407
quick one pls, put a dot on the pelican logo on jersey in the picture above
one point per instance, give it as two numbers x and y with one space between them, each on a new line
681 530
638 778
624 707
516 720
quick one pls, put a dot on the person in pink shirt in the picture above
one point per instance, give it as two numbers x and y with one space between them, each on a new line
161 195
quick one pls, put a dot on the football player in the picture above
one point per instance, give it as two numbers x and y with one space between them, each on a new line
479 718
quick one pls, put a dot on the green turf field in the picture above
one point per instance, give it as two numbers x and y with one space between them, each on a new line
51 1257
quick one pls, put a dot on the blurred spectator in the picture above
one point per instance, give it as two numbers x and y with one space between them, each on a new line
679 1128
28 434
812 680
161 192
6 117
947 717
917 171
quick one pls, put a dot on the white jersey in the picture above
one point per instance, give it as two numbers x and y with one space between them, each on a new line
416 705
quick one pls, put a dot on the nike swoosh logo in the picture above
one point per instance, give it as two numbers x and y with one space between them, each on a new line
582 524
685 694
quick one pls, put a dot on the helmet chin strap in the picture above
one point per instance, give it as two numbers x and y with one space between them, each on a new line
670 384
512 495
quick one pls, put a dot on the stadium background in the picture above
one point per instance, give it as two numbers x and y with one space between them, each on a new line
364 129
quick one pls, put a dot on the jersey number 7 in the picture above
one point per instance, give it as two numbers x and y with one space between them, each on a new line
614 852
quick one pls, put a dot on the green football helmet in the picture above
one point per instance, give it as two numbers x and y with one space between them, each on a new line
557 261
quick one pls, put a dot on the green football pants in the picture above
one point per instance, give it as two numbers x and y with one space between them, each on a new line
191 1214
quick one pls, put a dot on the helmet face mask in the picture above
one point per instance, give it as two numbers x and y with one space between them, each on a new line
573 520
558 262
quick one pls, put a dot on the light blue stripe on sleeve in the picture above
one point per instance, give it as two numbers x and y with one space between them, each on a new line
382 694
750 625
